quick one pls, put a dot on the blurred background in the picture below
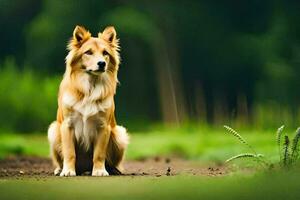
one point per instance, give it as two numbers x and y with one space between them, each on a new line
183 62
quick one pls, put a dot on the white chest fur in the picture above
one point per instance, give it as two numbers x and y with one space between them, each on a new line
88 106
88 115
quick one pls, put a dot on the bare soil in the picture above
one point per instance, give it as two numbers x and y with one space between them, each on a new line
28 166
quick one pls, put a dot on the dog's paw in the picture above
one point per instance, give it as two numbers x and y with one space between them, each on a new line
67 172
100 172
57 171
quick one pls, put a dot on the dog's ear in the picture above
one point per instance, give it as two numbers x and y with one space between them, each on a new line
80 35
110 35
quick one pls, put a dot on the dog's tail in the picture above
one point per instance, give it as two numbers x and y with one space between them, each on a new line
118 142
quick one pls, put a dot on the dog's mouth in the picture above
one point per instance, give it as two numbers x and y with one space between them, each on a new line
95 72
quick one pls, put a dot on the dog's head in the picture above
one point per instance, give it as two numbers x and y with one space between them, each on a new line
93 55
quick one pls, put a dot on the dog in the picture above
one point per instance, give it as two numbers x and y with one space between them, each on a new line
85 136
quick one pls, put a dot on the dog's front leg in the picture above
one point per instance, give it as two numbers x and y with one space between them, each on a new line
68 149
100 148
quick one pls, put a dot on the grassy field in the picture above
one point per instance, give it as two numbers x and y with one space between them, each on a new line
207 145
202 145
260 186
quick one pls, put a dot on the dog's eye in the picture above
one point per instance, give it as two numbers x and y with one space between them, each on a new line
88 52
105 53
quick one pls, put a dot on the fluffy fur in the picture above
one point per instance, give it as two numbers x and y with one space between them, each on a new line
85 136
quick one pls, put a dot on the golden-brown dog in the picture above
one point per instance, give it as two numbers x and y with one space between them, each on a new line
85 136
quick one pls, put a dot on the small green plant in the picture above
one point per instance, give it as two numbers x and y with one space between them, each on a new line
278 139
253 154
244 155
288 151
295 146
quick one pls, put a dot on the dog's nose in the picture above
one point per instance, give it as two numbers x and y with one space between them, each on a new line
101 65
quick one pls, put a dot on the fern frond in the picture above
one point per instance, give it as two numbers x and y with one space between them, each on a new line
286 145
295 148
235 133
239 137
243 155
278 139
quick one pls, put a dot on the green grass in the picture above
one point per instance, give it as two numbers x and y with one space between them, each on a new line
18 144
260 186
208 145
205 145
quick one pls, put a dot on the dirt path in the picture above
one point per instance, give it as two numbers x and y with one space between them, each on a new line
25 166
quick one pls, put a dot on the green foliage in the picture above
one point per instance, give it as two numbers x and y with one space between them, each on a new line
28 100
288 153
254 155
243 155
288 150
238 136
278 138
295 146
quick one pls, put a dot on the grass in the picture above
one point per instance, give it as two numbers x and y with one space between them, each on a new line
259 186
207 145
19 144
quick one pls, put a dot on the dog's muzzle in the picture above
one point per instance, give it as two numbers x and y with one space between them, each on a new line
100 69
